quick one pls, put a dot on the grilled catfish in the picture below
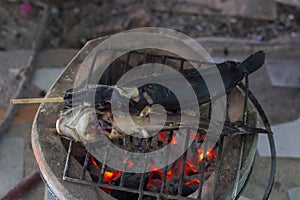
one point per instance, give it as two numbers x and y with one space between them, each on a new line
231 73
85 123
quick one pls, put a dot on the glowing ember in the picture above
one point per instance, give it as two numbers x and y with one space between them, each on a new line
169 174
108 176
193 136
156 175
209 154
155 169
111 176
163 137
190 169
173 141
94 162
193 182
129 164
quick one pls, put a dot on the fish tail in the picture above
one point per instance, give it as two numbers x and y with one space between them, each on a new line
253 62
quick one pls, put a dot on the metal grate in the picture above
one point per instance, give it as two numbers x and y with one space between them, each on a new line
235 193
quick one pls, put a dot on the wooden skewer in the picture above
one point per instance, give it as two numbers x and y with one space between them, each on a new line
37 100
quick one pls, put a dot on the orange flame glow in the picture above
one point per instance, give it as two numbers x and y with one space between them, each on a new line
94 162
156 174
165 138
209 154
110 176
173 141
129 164
193 136
190 168
162 136
169 174
193 182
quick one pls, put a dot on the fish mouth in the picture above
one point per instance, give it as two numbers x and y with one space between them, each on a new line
57 125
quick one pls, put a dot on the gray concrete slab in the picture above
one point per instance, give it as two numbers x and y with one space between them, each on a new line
22 130
43 78
284 72
11 163
11 62
287 137
294 193
295 3
245 8
281 104
50 64
55 58
287 176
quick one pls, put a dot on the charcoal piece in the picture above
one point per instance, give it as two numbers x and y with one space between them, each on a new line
130 181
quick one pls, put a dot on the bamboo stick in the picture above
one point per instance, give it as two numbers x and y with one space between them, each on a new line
37 100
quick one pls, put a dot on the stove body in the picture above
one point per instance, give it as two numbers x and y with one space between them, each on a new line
68 170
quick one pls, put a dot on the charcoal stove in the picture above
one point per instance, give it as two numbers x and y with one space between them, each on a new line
71 172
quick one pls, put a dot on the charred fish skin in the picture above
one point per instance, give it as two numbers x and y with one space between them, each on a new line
231 73
102 94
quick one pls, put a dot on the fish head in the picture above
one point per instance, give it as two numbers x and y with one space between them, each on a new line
80 124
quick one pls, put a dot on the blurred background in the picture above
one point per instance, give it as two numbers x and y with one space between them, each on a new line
39 38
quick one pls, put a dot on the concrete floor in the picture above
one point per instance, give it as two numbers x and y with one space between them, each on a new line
23 130
21 125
